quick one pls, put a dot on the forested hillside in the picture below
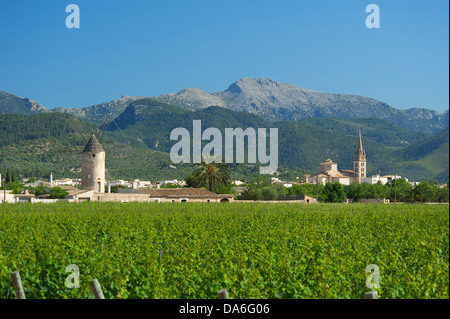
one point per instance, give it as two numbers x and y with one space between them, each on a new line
42 143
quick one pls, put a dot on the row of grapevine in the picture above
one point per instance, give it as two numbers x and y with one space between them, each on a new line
253 250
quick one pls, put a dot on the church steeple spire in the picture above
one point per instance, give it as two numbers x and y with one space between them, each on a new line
359 150
359 161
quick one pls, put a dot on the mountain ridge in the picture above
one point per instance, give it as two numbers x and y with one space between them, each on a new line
283 101
274 101
13 104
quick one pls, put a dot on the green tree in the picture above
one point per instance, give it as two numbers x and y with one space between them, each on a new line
7 177
358 191
281 190
423 192
404 190
16 187
211 175
442 194
253 192
57 193
191 181
269 193
170 185
354 191
225 190
334 193
40 190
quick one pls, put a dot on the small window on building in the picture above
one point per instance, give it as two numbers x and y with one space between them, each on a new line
183 200
157 200
208 200
93 155
173 201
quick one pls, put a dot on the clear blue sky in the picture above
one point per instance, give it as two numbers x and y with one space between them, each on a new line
147 48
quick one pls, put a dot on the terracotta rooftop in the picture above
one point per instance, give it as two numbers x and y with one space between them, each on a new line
328 161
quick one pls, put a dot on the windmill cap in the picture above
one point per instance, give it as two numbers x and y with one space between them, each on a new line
93 146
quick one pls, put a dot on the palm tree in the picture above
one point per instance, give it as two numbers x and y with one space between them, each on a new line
211 175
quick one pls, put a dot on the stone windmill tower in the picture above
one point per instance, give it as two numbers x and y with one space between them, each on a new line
359 161
93 166
94 175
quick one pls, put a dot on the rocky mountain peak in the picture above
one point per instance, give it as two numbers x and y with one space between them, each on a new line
126 98
253 84
191 98
13 104
422 113
191 90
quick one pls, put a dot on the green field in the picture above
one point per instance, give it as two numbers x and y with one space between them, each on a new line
253 250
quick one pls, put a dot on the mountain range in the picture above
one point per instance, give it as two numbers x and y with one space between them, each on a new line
280 101
272 100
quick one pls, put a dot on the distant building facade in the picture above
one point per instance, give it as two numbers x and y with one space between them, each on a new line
329 171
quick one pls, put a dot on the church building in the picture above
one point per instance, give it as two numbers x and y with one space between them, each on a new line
329 170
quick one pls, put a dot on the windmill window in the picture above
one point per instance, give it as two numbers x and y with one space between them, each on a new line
93 155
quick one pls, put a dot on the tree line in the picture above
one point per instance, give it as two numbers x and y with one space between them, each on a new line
400 191
216 178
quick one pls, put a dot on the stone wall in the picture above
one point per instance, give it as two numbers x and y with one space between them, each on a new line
374 200
145 198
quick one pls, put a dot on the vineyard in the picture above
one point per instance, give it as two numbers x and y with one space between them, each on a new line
253 250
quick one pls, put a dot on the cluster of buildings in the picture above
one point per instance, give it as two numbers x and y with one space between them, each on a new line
329 171
93 186
93 182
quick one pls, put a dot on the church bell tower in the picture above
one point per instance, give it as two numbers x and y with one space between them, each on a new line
359 161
